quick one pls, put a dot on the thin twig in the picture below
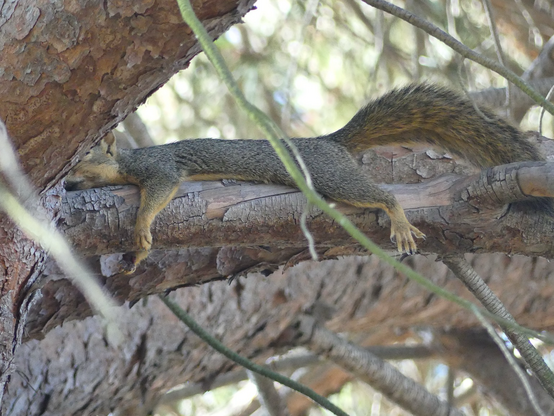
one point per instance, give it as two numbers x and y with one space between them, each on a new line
468 94
514 365
307 234
461 49
311 7
379 374
499 53
269 398
548 96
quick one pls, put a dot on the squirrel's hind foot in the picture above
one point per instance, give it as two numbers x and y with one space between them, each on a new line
402 233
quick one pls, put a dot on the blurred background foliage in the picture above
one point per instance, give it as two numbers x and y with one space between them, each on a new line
310 65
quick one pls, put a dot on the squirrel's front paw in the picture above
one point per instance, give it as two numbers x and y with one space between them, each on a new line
130 261
402 233
143 238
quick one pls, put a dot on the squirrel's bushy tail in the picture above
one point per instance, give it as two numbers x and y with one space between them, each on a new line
440 117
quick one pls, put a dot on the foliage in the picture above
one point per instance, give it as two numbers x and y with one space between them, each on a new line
324 70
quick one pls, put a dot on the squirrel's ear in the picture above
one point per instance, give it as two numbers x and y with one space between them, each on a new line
109 141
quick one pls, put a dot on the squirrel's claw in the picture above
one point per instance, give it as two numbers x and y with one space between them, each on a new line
130 261
417 233
143 239
402 234
128 264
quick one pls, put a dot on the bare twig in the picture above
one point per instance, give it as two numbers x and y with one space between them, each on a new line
461 49
379 374
307 233
499 53
548 96
311 7
511 361
468 94
268 396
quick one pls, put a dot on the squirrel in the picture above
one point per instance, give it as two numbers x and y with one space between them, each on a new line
417 113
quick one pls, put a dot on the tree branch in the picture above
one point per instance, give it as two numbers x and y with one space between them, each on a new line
454 212
268 396
367 367
293 362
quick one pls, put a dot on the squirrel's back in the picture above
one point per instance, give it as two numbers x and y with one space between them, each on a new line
437 116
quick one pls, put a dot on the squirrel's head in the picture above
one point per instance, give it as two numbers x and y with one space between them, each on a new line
98 168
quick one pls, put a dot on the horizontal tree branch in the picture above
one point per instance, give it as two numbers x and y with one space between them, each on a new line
235 229
458 213
293 362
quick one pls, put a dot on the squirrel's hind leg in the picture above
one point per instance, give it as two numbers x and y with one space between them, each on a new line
355 188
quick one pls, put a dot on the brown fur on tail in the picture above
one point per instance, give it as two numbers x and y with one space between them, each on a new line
440 117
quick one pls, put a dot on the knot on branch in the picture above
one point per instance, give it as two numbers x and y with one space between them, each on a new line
497 186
